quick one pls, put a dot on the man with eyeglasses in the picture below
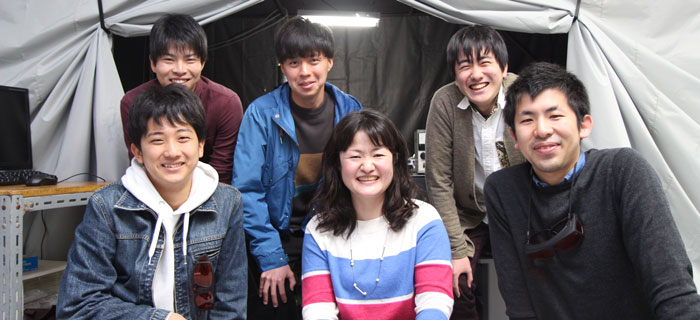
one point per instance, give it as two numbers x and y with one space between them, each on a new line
167 241
581 235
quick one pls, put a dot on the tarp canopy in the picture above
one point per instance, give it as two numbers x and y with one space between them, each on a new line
639 61
58 50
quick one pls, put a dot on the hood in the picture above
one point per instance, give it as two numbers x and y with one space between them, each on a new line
204 182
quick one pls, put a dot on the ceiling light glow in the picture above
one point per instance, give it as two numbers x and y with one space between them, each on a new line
362 20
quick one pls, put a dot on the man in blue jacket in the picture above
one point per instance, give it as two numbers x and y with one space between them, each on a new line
278 163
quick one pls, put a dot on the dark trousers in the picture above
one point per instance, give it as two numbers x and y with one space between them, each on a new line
291 310
466 306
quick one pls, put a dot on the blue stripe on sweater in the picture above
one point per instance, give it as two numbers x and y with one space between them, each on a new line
397 272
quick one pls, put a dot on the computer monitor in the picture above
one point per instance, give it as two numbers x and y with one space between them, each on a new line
15 134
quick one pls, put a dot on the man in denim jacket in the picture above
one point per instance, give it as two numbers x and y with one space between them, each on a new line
167 242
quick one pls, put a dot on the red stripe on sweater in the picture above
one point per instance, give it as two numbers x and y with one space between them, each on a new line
433 278
317 288
394 310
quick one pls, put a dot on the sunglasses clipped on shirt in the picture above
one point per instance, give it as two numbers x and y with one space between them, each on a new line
564 235
203 279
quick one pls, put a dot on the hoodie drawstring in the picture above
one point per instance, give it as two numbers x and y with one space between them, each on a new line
156 234
185 229
154 240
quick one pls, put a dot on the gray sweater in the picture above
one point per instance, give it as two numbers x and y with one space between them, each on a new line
631 263
450 163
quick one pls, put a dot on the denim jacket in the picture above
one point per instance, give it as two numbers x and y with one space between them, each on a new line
108 275
265 161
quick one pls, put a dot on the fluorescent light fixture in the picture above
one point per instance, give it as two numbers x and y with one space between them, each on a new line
342 19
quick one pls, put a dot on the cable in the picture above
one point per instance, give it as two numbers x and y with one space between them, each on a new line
328 4
85 173
43 236
517 44
272 19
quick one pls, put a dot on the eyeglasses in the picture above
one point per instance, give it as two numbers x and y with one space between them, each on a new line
203 281
566 234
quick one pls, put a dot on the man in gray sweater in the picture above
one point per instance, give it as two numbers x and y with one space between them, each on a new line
466 140
581 235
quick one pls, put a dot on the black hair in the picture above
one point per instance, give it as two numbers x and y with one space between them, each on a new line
299 37
476 39
539 76
179 32
333 200
174 102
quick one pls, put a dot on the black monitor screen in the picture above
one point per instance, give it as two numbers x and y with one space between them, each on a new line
15 137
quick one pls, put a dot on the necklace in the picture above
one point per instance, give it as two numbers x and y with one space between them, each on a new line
379 272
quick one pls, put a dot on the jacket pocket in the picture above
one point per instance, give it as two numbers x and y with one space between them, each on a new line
209 247
276 171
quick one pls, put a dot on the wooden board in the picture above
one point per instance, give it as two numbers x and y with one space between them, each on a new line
61 188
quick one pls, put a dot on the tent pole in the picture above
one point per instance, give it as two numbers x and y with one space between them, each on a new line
102 17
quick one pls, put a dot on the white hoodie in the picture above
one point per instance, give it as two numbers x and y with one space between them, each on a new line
204 182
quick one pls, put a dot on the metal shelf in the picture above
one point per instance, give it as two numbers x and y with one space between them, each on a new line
39 203
14 202
45 267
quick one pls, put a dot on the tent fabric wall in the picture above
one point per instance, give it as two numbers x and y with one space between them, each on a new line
639 62
58 51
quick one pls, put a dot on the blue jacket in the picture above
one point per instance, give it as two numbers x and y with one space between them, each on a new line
108 275
265 161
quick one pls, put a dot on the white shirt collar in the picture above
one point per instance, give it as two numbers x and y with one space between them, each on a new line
500 101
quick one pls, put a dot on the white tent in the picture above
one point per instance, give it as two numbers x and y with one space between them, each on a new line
638 60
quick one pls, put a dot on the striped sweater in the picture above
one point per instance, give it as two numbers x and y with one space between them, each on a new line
415 276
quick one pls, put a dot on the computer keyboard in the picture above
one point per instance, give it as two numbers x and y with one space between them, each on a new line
20 176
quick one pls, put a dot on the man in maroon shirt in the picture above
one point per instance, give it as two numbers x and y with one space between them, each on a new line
178 52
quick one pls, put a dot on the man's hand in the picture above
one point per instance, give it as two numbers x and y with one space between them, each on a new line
460 266
272 281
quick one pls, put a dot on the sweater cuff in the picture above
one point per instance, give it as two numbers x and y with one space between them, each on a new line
467 250
464 249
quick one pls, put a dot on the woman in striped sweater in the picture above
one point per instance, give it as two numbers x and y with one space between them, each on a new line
372 251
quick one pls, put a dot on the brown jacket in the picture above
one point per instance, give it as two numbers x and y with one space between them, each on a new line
450 165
